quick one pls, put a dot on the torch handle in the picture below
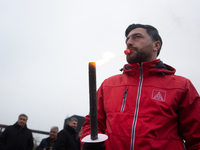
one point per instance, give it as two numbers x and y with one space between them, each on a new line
93 101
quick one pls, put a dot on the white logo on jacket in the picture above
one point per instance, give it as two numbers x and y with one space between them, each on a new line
159 95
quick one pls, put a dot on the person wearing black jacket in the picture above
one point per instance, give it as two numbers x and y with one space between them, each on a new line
66 139
17 136
49 143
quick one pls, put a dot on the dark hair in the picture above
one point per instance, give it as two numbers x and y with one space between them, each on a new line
151 31
23 115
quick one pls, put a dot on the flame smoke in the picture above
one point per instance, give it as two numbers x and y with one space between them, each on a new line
106 57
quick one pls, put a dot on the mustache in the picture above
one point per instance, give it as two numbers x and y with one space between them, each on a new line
132 47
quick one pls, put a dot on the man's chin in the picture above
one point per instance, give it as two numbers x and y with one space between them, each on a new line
131 61
21 125
52 138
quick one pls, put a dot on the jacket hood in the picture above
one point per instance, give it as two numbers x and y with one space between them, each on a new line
153 67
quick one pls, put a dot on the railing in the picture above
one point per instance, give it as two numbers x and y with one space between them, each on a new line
34 131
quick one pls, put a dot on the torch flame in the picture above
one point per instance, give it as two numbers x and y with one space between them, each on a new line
106 57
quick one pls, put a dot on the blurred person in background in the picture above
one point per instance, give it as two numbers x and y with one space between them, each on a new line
17 136
67 138
49 143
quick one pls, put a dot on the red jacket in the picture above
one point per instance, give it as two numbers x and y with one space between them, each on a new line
148 108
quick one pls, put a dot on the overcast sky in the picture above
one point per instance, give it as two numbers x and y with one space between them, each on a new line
46 45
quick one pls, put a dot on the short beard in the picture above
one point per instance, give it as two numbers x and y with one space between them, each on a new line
141 55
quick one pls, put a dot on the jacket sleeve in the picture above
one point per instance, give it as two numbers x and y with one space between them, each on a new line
100 113
189 117
3 138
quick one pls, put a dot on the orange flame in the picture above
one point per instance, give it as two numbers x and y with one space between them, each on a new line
106 57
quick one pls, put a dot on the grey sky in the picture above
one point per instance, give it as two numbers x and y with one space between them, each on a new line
46 46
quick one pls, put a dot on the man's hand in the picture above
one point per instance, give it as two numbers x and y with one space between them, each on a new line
94 146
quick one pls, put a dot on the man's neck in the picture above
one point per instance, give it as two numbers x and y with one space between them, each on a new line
52 140
21 127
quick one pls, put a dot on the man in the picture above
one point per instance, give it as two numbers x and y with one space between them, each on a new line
147 107
67 137
49 143
17 136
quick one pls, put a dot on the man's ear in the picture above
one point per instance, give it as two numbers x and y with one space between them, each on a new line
156 45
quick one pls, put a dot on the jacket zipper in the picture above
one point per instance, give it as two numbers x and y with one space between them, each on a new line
136 108
124 100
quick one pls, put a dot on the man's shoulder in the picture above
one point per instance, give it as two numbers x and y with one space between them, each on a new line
65 131
10 127
46 139
62 131
27 129
115 80
178 79
10 130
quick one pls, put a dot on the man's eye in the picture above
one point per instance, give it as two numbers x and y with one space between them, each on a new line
137 36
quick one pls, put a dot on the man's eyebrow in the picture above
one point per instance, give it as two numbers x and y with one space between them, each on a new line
136 34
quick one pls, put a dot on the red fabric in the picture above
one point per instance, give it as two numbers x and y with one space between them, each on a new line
168 110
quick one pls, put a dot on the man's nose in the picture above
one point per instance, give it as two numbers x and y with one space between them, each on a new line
129 42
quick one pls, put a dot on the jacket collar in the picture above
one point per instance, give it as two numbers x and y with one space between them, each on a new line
152 67
70 129
18 126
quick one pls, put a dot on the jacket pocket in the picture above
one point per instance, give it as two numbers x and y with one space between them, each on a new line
124 100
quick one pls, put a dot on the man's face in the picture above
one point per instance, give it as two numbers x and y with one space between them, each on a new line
141 46
22 121
53 134
73 124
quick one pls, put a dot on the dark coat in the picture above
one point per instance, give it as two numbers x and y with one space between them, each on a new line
45 143
14 138
66 139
